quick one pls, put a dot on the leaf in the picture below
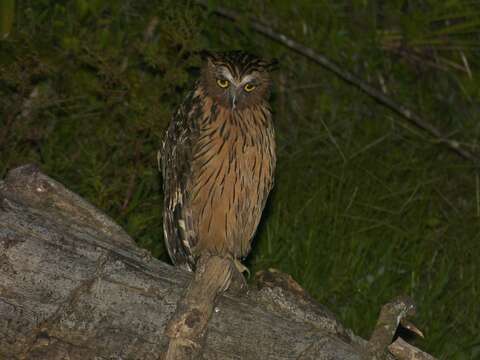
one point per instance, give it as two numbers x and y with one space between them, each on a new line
7 15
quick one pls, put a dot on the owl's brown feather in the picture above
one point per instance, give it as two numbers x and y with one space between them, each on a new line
218 164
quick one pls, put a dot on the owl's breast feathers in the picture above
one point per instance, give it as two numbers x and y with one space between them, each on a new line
218 167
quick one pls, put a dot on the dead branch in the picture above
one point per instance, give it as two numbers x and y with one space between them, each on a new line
188 325
404 351
402 110
74 285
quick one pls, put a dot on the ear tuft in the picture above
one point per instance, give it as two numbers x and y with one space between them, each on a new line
205 54
272 65
208 57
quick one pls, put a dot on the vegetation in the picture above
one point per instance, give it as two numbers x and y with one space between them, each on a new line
365 207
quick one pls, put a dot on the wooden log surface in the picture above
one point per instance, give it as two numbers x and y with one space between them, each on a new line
73 285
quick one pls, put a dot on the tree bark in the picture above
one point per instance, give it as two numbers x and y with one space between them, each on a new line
73 285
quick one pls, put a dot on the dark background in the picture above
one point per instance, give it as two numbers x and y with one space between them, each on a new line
366 207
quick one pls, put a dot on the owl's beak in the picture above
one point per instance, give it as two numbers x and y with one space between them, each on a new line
234 101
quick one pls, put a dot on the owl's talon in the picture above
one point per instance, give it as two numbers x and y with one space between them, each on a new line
238 282
241 268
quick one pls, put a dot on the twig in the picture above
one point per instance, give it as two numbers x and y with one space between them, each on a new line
129 193
187 327
133 178
390 317
349 77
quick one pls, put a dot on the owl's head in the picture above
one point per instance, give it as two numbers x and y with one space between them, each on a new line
236 79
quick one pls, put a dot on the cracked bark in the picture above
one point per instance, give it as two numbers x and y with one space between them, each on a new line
74 285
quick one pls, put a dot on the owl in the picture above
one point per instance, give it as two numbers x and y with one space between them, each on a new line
218 160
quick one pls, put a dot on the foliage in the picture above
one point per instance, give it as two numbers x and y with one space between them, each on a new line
365 207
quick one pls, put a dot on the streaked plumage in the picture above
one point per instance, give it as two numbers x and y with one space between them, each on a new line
218 160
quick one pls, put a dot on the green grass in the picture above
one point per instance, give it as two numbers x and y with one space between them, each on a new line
365 208
358 232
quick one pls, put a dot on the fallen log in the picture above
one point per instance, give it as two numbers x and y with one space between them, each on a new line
74 285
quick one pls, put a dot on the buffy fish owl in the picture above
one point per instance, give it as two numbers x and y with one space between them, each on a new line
218 160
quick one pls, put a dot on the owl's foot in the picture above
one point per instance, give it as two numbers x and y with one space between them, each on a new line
239 283
241 268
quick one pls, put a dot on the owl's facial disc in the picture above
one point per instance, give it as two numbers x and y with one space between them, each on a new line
235 89
236 80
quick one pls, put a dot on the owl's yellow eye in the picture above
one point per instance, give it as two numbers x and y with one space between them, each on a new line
249 87
222 83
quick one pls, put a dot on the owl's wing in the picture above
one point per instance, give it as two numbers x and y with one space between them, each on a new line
176 162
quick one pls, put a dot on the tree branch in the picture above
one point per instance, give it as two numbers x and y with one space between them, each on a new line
404 351
74 285
402 110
